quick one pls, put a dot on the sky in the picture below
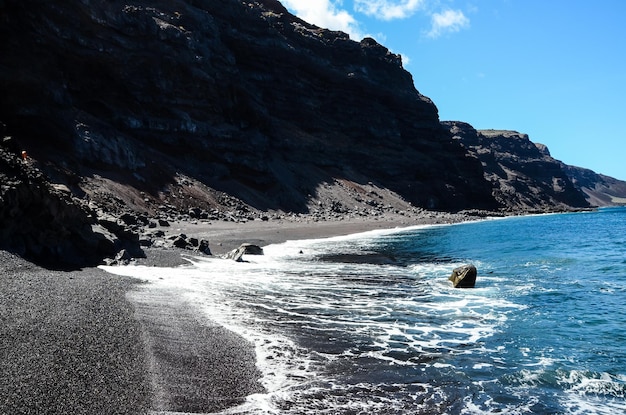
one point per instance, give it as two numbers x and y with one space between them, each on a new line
552 69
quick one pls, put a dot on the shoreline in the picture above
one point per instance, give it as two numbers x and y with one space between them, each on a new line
170 359
225 236
90 341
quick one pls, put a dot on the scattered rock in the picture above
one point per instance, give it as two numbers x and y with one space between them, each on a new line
129 218
145 241
204 247
181 242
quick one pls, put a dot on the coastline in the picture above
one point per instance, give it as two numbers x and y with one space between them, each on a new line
92 341
225 236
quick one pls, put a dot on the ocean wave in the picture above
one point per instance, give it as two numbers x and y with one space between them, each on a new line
371 324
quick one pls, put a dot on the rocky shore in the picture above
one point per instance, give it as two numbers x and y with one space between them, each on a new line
48 224
216 237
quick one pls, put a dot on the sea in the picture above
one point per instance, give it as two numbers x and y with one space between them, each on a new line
370 324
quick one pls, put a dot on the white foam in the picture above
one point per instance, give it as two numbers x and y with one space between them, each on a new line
284 283
394 312
205 285
593 393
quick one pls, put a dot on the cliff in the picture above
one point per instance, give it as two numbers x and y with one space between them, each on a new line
600 190
43 222
241 97
232 110
523 175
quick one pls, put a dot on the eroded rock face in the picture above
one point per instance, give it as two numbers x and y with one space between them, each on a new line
224 110
523 175
599 189
241 95
45 224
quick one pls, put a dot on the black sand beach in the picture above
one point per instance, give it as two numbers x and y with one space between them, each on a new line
73 343
68 342
87 342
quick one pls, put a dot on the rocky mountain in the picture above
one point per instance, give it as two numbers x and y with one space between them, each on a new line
523 175
220 108
599 190
242 97
227 110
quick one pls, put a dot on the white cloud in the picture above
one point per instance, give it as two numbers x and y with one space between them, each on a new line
326 14
388 9
448 21
330 14
406 61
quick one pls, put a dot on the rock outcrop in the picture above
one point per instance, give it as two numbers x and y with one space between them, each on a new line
523 175
43 222
464 276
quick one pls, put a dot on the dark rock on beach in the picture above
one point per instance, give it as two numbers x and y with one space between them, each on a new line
244 249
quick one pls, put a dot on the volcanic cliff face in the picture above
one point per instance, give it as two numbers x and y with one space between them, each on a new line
231 97
44 223
523 174
228 109
599 190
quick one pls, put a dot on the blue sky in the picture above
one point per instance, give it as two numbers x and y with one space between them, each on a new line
553 69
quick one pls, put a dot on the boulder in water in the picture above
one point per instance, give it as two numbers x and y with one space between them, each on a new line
237 254
464 276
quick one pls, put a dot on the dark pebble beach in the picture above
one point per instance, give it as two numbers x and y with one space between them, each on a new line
87 342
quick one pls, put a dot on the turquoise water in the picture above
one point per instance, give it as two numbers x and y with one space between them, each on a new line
559 282
369 324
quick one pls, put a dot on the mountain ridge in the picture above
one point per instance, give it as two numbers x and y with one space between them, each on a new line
526 177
